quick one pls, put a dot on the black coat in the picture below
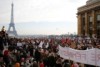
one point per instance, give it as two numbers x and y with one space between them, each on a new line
37 55
51 61
1 44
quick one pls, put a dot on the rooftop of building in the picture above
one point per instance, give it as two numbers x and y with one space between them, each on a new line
91 1
90 4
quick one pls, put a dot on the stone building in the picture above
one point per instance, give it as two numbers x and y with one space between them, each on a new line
89 19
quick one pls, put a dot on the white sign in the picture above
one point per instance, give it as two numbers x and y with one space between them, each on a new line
91 56
41 44
19 44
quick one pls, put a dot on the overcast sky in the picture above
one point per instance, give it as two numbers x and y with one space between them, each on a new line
41 16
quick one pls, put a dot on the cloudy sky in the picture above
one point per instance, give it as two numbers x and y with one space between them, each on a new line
41 16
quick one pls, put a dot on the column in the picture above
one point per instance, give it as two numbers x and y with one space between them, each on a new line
86 24
79 25
94 23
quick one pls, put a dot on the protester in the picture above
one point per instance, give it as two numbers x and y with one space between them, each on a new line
37 55
58 62
74 64
43 52
35 64
17 64
51 60
41 64
66 63
6 58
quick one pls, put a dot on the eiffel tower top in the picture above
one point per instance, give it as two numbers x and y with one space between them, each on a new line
12 9
92 1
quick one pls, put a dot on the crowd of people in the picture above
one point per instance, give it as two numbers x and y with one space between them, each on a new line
41 52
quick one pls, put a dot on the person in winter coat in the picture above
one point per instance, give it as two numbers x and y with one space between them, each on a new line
6 58
41 64
51 61
37 55
17 64
35 64
59 62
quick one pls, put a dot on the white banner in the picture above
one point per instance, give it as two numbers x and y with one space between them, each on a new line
90 56
19 44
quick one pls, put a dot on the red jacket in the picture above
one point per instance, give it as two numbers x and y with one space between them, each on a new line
6 52
41 65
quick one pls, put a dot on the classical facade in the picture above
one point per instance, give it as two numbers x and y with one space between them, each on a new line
89 19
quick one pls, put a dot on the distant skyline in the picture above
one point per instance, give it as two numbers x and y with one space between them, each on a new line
46 17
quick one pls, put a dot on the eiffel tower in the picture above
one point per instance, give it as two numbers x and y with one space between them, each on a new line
11 29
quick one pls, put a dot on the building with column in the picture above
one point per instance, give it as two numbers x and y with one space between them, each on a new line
89 19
